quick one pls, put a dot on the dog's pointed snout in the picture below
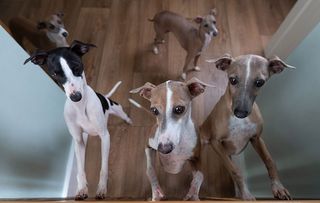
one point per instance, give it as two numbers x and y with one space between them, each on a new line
239 113
75 96
65 34
165 148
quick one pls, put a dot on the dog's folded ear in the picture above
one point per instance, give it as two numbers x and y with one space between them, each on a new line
198 19
80 48
38 57
213 12
222 63
41 25
196 86
276 65
144 91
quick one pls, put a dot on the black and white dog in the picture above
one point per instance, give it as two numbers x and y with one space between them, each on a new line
85 112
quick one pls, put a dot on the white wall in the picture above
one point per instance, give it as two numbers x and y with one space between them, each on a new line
34 140
290 105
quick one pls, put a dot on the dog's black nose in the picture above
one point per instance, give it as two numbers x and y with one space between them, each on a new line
165 148
65 34
240 113
76 96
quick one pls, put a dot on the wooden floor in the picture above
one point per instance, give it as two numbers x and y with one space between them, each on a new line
123 35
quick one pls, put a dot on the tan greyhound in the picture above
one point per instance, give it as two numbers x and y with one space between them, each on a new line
46 34
174 136
193 40
236 119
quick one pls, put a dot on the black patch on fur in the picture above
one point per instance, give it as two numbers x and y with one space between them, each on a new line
112 102
104 102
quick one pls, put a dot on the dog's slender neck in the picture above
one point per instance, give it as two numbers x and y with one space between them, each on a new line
203 34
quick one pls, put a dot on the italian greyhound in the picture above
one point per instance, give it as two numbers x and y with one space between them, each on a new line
47 34
236 119
193 40
85 112
174 136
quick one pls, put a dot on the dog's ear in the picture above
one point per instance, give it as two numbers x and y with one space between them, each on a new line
198 19
213 12
145 90
222 63
276 65
80 48
41 25
37 57
196 86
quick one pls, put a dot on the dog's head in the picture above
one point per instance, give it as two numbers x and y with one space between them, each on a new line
208 23
55 27
171 105
65 67
247 74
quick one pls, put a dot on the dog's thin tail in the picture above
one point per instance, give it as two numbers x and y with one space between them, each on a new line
115 87
151 20
136 104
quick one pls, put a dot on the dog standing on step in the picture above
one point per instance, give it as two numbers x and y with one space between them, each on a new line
43 35
193 40
86 112
175 137
236 120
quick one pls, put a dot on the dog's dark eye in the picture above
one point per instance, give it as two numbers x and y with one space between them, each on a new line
233 80
154 110
259 83
214 22
206 25
51 26
178 110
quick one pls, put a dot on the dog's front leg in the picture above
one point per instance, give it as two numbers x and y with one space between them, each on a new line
197 180
105 148
278 190
233 170
157 193
80 147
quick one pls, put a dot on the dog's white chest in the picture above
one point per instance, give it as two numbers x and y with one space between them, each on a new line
173 162
240 132
207 41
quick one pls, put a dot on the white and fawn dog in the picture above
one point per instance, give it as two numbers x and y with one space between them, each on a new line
193 40
46 34
85 112
236 120
175 137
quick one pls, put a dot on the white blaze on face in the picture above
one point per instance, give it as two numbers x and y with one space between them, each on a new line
172 130
248 72
73 83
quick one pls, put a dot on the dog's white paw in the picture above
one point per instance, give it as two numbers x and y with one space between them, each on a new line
155 50
184 76
197 68
101 193
157 195
247 196
129 121
82 194
279 191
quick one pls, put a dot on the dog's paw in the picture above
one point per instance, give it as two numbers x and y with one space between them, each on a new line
129 121
82 194
184 76
197 68
155 50
279 191
248 196
157 195
101 194
191 197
